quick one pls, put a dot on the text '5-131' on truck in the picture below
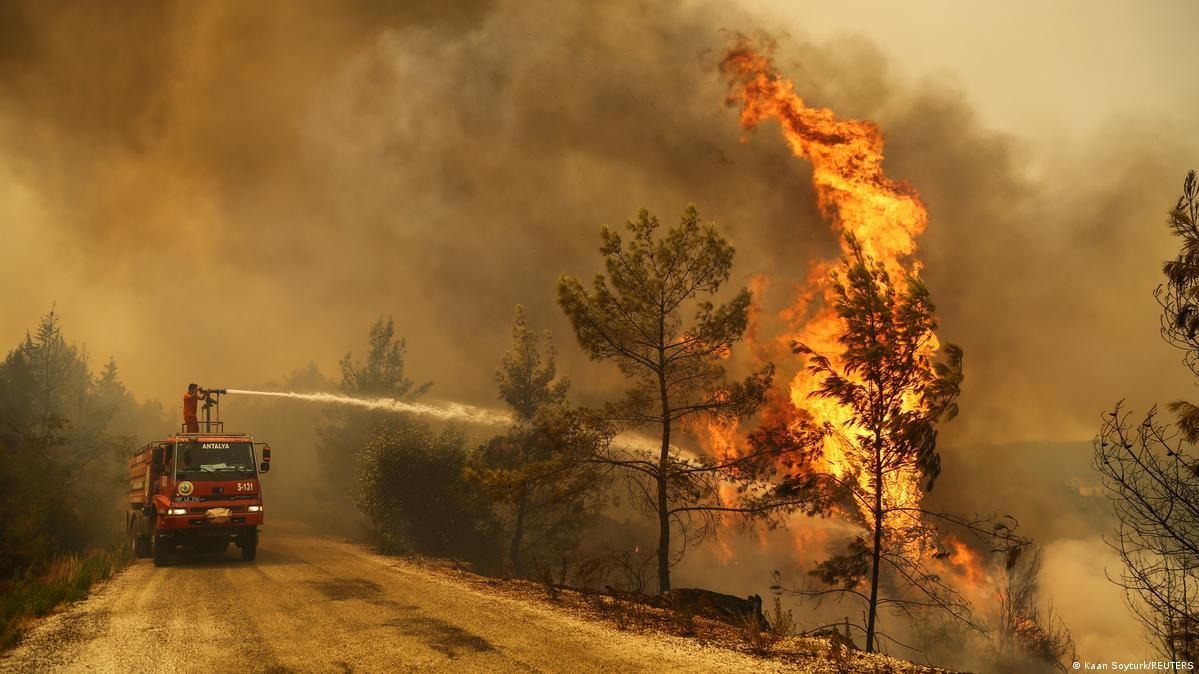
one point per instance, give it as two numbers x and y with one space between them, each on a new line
198 489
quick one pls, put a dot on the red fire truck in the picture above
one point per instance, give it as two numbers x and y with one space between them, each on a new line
196 491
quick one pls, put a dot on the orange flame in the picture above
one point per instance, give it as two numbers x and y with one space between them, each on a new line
846 155
884 215
966 566
964 562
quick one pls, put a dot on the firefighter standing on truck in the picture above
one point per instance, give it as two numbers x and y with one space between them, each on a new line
190 400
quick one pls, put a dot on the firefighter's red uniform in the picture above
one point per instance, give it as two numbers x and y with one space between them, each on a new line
190 401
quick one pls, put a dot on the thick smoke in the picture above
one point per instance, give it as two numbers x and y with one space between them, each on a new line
225 191
216 190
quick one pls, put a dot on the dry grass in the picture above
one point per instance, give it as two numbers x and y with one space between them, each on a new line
762 638
631 612
66 578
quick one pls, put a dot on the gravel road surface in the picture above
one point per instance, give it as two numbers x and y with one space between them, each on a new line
314 604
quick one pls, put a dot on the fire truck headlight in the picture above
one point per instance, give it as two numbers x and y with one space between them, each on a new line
177 511
255 509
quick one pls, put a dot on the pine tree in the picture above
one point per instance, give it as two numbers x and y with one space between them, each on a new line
347 431
537 475
885 375
651 314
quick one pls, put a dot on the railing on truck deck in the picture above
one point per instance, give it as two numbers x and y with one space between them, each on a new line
203 427
212 401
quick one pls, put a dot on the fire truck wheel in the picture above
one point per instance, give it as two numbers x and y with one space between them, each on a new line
140 545
249 546
160 549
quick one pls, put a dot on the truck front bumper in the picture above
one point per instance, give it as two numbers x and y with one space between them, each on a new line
200 521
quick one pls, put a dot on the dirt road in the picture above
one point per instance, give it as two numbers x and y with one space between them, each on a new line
314 604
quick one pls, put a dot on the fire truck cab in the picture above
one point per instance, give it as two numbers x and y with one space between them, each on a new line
196 491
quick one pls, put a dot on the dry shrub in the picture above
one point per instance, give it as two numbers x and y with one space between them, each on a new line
761 638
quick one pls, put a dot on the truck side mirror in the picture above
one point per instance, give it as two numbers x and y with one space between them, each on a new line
264 467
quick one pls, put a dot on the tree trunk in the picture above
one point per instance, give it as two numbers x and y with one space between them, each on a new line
663 474
518 533
876 552
664 511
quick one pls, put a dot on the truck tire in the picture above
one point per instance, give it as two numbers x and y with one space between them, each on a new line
140 545
249 546
160 549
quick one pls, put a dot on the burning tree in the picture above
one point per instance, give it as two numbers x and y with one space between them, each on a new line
892 395
635 315
858 423
1024 638
1151 471
538 475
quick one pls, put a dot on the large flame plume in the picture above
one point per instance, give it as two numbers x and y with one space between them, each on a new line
884 215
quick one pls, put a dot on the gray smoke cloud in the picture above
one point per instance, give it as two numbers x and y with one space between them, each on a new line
225 191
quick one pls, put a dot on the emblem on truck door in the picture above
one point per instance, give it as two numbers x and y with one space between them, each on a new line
185 488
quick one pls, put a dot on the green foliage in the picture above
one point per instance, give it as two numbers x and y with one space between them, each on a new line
526 377
1179 296
383 372
845 570
636 315
538 476
541 484
410 484
62 457
67 577
348 430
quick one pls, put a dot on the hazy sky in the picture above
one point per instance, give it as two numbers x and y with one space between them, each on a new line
1036 69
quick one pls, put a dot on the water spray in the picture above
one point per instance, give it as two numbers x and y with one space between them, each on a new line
448 411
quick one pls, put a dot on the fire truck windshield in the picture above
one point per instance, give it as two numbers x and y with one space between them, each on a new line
211 461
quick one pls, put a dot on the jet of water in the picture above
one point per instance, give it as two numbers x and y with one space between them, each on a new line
449 411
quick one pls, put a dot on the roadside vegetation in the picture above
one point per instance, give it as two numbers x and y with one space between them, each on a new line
67 577
64 433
